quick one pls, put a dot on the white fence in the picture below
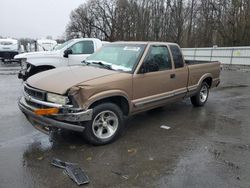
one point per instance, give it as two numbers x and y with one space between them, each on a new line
226 55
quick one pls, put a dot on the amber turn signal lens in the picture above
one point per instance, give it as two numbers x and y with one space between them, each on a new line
47 111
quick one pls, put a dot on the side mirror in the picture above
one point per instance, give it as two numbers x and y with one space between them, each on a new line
67 52
149 66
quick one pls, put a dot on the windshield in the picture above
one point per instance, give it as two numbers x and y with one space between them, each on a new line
122 57
61 46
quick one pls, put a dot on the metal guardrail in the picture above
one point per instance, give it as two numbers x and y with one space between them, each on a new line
226 55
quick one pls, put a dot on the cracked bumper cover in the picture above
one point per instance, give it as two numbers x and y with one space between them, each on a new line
61 121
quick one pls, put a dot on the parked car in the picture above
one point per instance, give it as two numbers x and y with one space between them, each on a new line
121 79
72 52
8 49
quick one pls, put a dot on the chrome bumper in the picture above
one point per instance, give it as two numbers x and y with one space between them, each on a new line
57 120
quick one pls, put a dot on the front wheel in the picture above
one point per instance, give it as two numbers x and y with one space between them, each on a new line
201 97
106 124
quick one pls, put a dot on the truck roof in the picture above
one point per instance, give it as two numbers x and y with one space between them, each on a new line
144 42
81 39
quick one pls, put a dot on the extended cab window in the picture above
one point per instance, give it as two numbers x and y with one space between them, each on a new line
177 56
159 56
83 47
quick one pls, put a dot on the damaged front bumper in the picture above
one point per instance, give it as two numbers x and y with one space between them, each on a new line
67 118
22 74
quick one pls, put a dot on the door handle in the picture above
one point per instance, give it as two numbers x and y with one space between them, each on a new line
172 76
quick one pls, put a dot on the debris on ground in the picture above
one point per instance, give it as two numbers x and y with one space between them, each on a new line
120 174
40 158
132 151
89 158
151 158
165 127
72 170
137 175
61 164
76 174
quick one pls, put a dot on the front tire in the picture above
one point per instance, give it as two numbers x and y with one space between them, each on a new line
201 97
106 124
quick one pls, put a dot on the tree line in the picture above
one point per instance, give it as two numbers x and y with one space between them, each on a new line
190 23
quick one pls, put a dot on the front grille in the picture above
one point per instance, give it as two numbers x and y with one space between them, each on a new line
35 93
35 105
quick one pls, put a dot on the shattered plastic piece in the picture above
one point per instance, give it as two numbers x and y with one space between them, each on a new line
77 174
165 127
60 164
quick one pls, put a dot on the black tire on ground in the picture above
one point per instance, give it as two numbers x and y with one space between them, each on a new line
201 97
106 124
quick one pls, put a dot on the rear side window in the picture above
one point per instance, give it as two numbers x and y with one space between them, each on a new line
83 47
177 56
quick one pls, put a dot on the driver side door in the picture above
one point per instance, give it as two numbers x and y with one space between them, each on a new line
153 86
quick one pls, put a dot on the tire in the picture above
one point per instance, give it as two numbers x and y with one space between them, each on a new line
201 97
99 131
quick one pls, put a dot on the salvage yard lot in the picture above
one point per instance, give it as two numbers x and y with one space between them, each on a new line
204 147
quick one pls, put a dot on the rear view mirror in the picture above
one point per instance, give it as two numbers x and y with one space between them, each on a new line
67 52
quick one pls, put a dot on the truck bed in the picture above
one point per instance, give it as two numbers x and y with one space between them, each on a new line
195 62
197 70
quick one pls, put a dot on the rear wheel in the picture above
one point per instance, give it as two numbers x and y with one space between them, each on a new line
201 97
106 124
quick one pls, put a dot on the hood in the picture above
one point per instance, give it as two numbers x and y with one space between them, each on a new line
59 80
37 54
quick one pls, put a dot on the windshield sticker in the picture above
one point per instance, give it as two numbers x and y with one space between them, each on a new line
131 48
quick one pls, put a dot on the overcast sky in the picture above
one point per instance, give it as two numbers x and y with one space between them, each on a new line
35 18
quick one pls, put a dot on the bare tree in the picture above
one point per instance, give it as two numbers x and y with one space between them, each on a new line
188 22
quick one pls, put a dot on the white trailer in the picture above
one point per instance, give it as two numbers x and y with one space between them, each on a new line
8 49
43 45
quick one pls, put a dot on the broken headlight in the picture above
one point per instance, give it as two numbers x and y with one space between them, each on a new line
59 99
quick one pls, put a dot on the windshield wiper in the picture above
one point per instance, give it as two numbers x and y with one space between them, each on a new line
99 63
85 62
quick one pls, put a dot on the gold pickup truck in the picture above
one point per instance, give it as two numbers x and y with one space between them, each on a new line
121 79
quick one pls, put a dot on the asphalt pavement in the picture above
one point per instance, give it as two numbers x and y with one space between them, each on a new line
204 147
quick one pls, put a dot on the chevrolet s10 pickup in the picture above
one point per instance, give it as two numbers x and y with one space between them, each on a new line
121 79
